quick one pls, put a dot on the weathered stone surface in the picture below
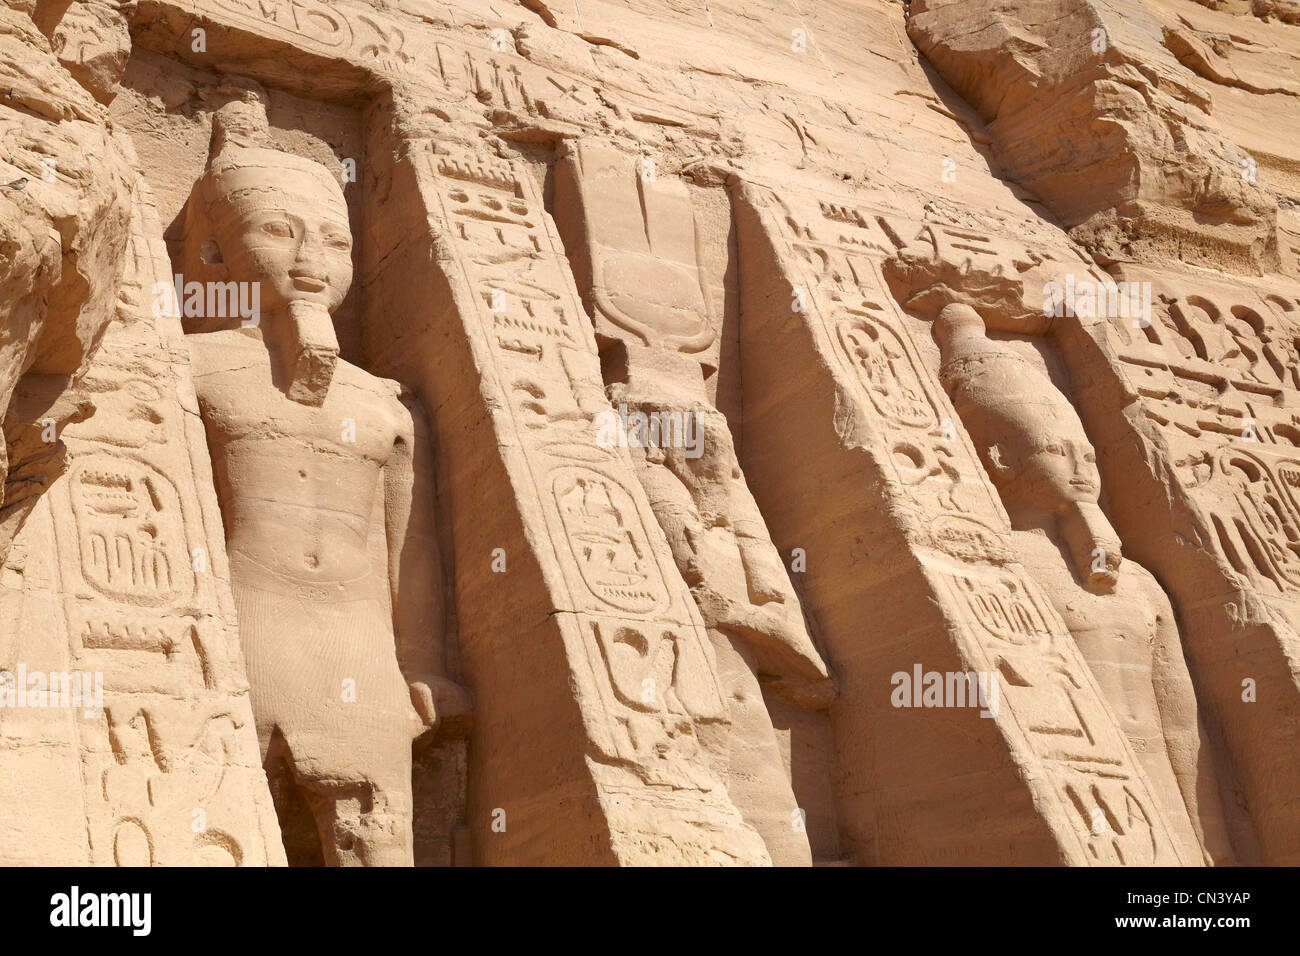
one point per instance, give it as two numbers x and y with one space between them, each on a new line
139 739
1155 175
65 195
621 433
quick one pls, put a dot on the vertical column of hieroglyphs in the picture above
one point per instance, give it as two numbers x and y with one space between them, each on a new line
600 730
65 202
170 769
1197 406
910 569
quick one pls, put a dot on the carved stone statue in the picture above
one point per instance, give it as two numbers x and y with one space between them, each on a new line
643 287
326 499
1034 447
721 549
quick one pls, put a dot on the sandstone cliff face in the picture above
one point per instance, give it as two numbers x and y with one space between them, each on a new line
634 434
66 193
1156 175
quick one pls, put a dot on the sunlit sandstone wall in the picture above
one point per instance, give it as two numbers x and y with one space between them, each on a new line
858 249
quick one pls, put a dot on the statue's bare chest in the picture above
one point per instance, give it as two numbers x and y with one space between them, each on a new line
241 402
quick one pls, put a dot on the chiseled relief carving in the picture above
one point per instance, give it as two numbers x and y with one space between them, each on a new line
169 762
757 357
657 708
1215 374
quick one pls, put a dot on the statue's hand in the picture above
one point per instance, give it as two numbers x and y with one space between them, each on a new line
425 705
781 642
437 699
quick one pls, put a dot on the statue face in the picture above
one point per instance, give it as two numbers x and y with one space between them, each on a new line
270 230
1047 468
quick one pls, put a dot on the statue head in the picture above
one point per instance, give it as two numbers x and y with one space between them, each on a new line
279 223
1028 435
280 220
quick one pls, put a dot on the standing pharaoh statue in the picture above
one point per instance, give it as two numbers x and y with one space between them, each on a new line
325 495
1034 447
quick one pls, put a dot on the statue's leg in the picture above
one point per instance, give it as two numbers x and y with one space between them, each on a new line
298 830
757 780
362 825
367 821
384 837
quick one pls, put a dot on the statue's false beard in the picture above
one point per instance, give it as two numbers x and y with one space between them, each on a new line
308 350
1094 545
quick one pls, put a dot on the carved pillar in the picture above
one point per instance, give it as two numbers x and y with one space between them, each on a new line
856 456
635 244
600 729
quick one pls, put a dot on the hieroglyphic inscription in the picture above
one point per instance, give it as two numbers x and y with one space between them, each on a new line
1216 373
840 274
1046 685
654 679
